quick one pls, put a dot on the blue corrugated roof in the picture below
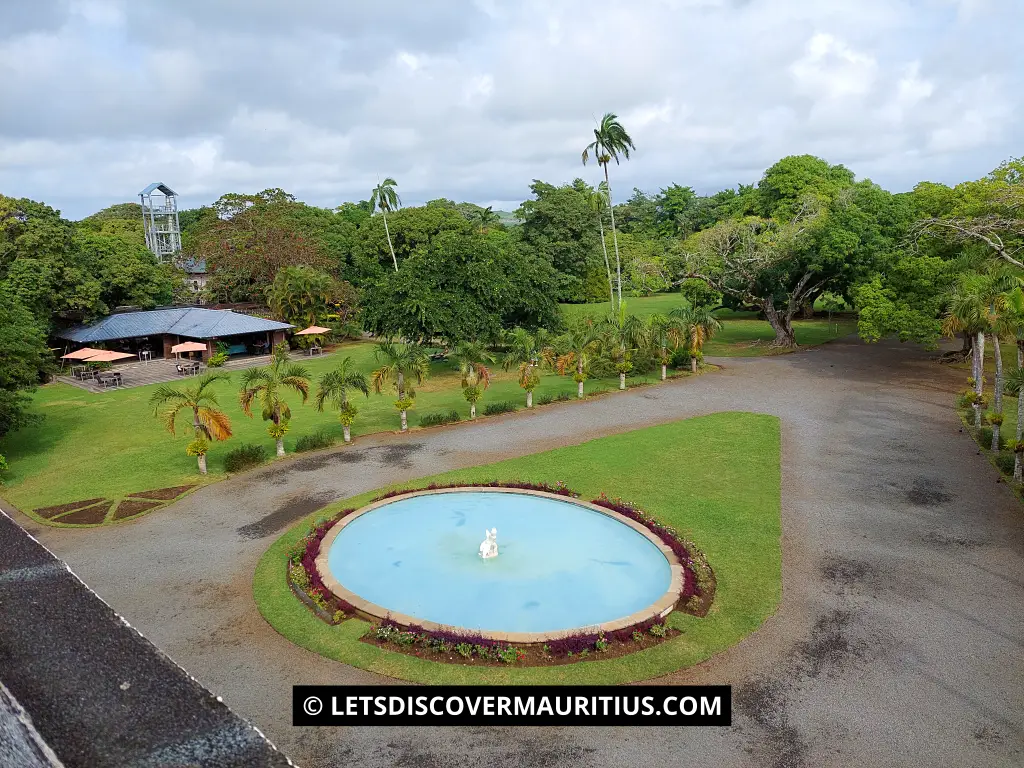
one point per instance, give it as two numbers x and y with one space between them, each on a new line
192 322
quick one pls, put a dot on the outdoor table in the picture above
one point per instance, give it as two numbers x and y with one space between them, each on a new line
145 355
315 350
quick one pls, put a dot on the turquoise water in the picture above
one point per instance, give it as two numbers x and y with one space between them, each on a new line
560 566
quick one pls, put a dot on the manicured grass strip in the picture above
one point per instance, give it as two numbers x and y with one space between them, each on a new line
741 331
715 479
109 445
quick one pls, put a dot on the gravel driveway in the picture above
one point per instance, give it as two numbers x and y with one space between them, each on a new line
900 640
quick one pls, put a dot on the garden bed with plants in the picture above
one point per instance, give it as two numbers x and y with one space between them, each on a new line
695 598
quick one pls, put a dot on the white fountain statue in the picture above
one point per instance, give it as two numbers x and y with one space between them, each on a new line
489 546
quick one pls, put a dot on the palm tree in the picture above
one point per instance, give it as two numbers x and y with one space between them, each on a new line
610 141
973 307
577 344
486 217
267 384
383 198
1014 386
334 387
596 199
665 331
469 357
208 421
399 361
625 334
699 325
526 352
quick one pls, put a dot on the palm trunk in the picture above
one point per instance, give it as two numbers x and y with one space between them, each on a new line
529 399
664 371
347 431
995 437
202 463
607 264
472 410
1018 470
405 421
997 400
979 357
615 239
401 396
693 362
622 381
579 386
280 446
387 232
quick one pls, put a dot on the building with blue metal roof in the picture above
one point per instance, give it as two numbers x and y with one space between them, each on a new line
163 328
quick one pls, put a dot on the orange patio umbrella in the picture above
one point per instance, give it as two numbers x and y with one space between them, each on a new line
188 346
82 354
313 330
109 357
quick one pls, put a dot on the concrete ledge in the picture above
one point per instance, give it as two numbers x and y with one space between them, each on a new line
659 609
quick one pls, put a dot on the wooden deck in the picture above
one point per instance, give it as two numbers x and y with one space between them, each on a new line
141 374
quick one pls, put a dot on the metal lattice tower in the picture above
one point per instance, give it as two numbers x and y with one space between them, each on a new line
160 219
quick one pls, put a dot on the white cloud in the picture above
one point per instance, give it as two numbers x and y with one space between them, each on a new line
472 99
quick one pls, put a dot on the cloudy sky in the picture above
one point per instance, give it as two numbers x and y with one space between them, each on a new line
472 99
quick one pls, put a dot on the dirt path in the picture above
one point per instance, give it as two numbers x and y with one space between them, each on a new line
900 640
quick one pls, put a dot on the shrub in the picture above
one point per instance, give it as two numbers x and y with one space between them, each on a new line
438 418
545 399
1005 463
321 439
244 456
493 409
680 358
563 397
216 361
658 630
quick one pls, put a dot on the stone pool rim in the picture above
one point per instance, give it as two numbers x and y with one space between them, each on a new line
661 608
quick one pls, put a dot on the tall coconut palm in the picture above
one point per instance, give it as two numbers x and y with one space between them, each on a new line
333 389
399 362
610 141
577 344
699 325
385 199
470 358
267 385
597 200
665 332
526 352
208 421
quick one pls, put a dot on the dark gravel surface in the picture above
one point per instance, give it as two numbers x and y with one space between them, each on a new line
98 693
899 642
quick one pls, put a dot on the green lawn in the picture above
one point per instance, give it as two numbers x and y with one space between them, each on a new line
743 335
109 444
716 479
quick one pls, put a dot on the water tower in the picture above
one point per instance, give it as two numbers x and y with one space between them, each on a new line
160 219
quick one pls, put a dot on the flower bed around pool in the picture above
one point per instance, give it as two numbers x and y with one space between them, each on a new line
694 593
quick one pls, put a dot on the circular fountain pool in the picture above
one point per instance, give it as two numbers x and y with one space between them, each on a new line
563 564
